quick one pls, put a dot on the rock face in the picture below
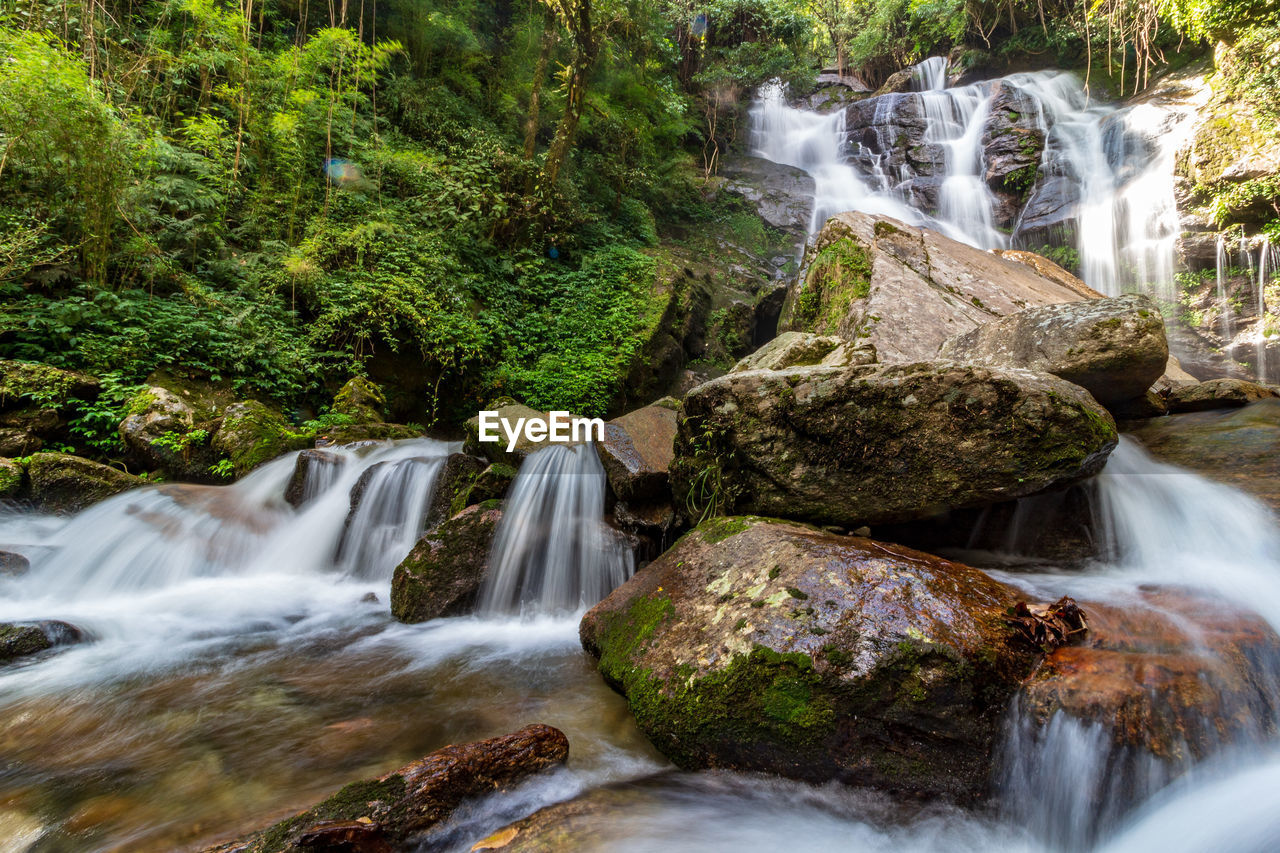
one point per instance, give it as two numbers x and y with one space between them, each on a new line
798 349
1113 348
637 451
905 290
762 645
453 488
783 195
1233 446
383 814
866 445
445 570
1217 394
252 434
61 482
169 426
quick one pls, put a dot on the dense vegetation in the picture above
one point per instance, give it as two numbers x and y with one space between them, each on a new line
473 194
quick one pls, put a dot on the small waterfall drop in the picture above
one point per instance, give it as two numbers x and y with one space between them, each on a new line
1067 780
389 515
930 75
552 551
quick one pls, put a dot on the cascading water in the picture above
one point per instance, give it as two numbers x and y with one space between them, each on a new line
1069 782
552 551
1224 305
1105 175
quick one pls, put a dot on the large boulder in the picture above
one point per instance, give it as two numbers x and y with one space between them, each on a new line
637 451
61 482
361 400
866 445
169 425
1234 446
1113 348
385 814
769 646
782 195
445 570
904 290
253 433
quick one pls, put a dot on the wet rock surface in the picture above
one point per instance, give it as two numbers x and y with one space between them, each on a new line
446 569
763 645
637 451
61 482
1217 394
1235 446
313 466
904 290
1113 348
868 445
384 814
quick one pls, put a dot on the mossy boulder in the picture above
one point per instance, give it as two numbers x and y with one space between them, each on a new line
904 290
35 403
18 641
761 645
1113 348
386 813
452 489
169 424
887 443
251 433
361 400
445 570
492 483
11 474
61 482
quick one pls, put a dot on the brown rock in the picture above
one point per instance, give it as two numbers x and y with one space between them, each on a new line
637 451
445 570
1216 394
384 813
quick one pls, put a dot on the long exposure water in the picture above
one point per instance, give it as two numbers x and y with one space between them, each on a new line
237 672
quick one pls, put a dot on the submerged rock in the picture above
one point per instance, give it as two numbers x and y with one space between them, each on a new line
1113 348
384 814
61 482
1217 394
445 570
904 290
17 641
13 564
763 645
637 451
866 445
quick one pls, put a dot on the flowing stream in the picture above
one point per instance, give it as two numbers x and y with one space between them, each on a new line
239 668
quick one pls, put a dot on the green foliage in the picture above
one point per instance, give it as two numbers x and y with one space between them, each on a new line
94 426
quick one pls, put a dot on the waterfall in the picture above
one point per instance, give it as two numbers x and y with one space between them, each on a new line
1224 307
1068 781
930 75
552 551
389 516
1105 182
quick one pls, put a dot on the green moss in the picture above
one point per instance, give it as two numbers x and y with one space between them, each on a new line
350 803
21 640
44 385
10 478
719 529
838 276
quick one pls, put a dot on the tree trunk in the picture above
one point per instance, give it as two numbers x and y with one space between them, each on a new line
549 39
585 49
